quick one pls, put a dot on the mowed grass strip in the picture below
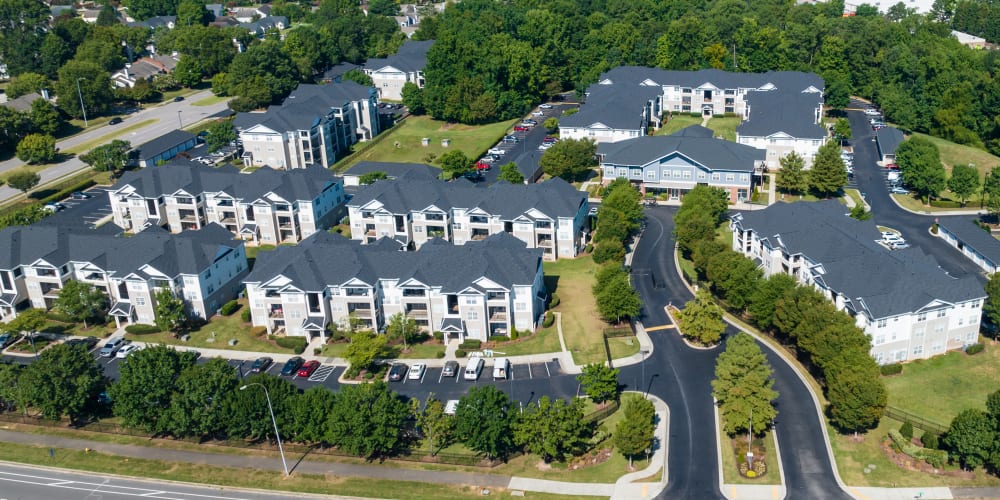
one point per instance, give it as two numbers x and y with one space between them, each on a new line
939 388
223 328
678 122
106 138
572 280
724 126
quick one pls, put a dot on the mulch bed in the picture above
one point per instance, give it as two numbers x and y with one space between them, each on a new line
909 463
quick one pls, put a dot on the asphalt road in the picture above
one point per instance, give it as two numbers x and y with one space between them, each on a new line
169 116
525 151
19 482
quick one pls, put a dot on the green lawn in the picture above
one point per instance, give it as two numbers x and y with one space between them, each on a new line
678 122
403 143
208 101
940 387
957 154
582 328
623 346
106 138
542 341
223 328
731 474
78 329
426 350
725 126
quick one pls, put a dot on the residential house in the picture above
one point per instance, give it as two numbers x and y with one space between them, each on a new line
782 122
336 72
907 305
887 139
217 9
265 206
250 14
261 27
673 165
313 126
474 291
614 113
89 16
163 148
22 103
975 243
392 171
551 215
407 65
972 41
145 68
168 22
204 268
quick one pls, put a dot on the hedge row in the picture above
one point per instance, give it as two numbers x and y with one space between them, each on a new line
471 345
937 458
893 369
296 344
549 319
141 329
229 308
974 349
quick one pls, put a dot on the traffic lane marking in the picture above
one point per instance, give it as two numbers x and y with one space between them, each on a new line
660 327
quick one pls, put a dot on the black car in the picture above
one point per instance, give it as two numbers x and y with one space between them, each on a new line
88 343
7 339
115 121
261 364
179 98
292 366
397 372
80 195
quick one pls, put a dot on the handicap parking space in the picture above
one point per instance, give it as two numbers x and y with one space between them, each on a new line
322 373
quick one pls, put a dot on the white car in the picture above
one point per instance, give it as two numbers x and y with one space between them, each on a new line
496 151
538 113
126 350
872 112
545 106
417 371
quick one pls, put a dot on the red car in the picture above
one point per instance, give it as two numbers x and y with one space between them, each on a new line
308 368
892 166
520 128
482 166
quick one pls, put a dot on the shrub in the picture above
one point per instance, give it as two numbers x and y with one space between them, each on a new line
139 329
369 375
439 354
296 344
945 204
513 333
439 336
937 458
258 331
893 369
974 349
460 353
229 308
554 301
245 315
906 430
471 345
589 248
58 316
549 319
930 440
498 338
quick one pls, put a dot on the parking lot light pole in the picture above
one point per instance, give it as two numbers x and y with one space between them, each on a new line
180 124
80 95
273 421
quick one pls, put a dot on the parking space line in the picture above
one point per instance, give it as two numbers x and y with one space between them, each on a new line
547 373
422 375
529 371
441 377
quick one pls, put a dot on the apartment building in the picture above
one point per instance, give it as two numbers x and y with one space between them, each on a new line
550 216
782 122
675 164
406 65
907 305
266 206
472 291
204 268
313 126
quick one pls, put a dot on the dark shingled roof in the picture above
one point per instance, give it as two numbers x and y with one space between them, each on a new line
395 170
888 139
305 107
974 237
501 258
792 112
695 142
784 80
883 282
554 198
411 57
189 252
616 106
163 143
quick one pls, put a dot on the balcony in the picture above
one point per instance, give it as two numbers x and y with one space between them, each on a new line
498 315
480 234
50 290
356 292
285 223
416 313
276 312
187 215
228 217
545 243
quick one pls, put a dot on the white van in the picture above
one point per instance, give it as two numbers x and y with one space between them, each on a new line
473 368
501 368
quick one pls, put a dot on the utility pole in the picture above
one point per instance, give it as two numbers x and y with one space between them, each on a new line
80 95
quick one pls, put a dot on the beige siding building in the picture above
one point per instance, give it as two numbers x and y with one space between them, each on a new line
407 65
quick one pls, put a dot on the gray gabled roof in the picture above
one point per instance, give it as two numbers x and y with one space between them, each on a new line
783 80
283 118
790 111
883 282
22 103
696 144
395 170
555 197
163 143
330 95
294 185
888 139
972 236
411 57
616 106
501 258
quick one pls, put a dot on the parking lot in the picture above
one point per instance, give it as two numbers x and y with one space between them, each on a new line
88 212
525 152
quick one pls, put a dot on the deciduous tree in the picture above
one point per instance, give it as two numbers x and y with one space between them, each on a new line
701 319
62 381
970 437
372 177
197 404
552 429
483 421
734 276
403 328
143 393
454 163
744 387
599 382
367 420
220 135
510 173
437 426
37 148
365 346
81 301
856 393
413 98
108 157
310 411
792 178
920 165
634 433
23 180
170 313
964 182
44 117
618 299
569 158
828 174
764 299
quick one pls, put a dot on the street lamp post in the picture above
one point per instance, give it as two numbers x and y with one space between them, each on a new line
79 94
643 353
179 122
273 421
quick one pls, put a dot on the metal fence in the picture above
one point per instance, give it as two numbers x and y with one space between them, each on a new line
602 413
915 420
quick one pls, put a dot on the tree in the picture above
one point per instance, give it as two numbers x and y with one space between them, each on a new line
81 301
401 327
245 412
842 129
552 429
618 299
454 163
692 227
611 225
828 174
372 177
145 9
23 24
599 382
970 437
413 98
744 387
569 158
964 182
765 297
383 7
701 319
609 250
734 276
551 124
28 322
712 201
367 420
310 411
856 393
94 85
920 165
107 16
26 83
220 134
365 346
634 433
262 74
510 173
44 117
23 180
108 157
192 12
483 421
37 148
357 76
188 71
858 212
165 82
143 393
196 406
625 199
170 313
436 426
792 178
62 381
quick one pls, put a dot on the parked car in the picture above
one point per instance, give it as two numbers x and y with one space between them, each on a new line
899 190
545 106
529 122
54 207
112 347
80 195
892 166
126 350
417 371
520 128
308 368
549 140
899 245
496 151
292 366
88 343
473 176
450 369
179 98
512 139
261 364
593 211
7 339
482 166
538 113
872 112
397 372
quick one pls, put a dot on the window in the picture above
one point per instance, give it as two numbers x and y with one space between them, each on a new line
418 229
961 321
970 337
140 301
473 315
716 177
701 176
666 173
744 178
651 175
941 313
937 346
972 320
919 333
918 350
470 301
730 177
687 174
677 174
901 355
879 340
881 323
922 317
520 307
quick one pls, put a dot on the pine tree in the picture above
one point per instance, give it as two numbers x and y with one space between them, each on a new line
828 174
743 386
701 319
792 177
